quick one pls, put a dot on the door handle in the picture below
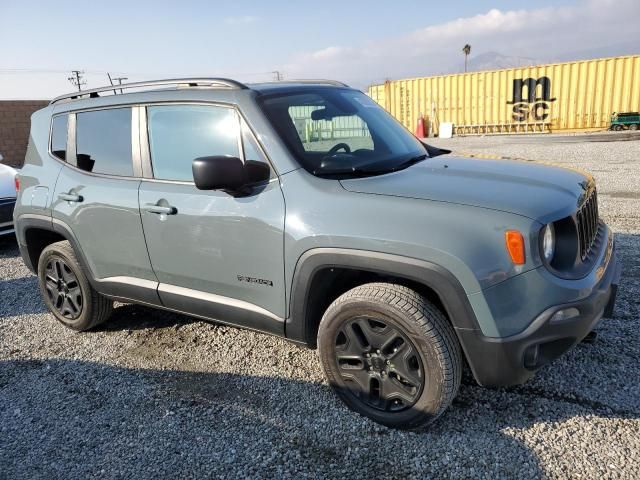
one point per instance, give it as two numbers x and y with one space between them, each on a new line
70 197
160 210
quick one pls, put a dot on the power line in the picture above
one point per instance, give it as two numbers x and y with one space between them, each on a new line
45 71
78 78
29 71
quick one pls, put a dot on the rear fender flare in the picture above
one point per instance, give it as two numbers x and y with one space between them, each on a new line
42 222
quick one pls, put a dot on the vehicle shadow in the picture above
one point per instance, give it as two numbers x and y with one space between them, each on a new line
138 317
217 424
220 425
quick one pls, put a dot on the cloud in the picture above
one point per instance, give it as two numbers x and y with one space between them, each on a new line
242 20
544 34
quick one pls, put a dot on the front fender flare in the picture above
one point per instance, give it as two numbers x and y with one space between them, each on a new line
451 293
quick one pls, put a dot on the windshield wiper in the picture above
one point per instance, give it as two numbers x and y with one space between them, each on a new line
399 166
411 161
355 171
364 171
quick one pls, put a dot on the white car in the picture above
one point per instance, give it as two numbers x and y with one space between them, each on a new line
7 197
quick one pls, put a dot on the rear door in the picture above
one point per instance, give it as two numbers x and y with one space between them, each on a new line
96 196
214 254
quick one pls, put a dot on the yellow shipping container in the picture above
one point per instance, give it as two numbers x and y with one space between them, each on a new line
572 96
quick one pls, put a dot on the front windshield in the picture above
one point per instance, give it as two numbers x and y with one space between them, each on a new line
341 132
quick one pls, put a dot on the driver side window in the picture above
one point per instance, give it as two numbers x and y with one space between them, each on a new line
180 133
322 135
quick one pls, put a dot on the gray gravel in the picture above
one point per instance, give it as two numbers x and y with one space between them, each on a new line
152 394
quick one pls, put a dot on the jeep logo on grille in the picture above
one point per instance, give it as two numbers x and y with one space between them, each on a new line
532 106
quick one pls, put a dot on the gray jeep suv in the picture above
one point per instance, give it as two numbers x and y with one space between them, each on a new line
304 210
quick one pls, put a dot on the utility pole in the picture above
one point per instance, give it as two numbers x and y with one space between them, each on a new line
119 80
76 79
277 76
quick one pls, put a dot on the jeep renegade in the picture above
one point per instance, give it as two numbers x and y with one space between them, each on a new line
304 210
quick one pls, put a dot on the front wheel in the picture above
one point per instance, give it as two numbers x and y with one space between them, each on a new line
390 355
66 291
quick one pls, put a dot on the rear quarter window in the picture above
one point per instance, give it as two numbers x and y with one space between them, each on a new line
59 136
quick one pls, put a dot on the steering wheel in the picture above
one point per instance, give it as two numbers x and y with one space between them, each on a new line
337 147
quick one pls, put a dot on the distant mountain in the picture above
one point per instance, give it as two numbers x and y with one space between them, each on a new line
496 61
614 50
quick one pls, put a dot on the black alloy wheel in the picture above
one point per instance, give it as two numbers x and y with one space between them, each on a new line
379 364
390 355
63 288
67 291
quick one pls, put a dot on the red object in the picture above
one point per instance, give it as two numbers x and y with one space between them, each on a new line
16 181
420 130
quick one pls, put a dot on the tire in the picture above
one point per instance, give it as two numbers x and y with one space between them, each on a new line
390 355
616 128
66 291
633 126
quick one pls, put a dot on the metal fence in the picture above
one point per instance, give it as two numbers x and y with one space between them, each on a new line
316 130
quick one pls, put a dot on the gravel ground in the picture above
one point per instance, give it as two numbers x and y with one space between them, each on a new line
153 394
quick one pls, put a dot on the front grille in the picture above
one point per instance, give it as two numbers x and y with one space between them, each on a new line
588 223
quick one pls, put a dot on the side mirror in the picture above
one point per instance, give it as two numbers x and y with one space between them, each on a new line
228 173
257 172
219 173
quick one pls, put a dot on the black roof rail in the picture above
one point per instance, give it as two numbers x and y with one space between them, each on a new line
179 82
319 81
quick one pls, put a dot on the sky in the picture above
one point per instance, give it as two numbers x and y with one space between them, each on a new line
356 41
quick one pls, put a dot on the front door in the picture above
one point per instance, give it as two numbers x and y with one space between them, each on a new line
214 254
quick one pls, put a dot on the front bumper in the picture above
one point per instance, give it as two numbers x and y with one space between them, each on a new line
514 359
6 215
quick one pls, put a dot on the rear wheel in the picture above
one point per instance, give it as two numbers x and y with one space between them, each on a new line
633 126
390 355
66 290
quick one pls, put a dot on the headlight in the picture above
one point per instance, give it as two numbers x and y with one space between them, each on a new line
548 242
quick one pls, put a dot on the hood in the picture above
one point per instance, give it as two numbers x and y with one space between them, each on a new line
538 191
7 181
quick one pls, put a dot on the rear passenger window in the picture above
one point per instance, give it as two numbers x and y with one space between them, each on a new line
178 134
59 136
103 141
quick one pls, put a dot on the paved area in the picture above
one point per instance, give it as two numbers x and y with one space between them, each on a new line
157 395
